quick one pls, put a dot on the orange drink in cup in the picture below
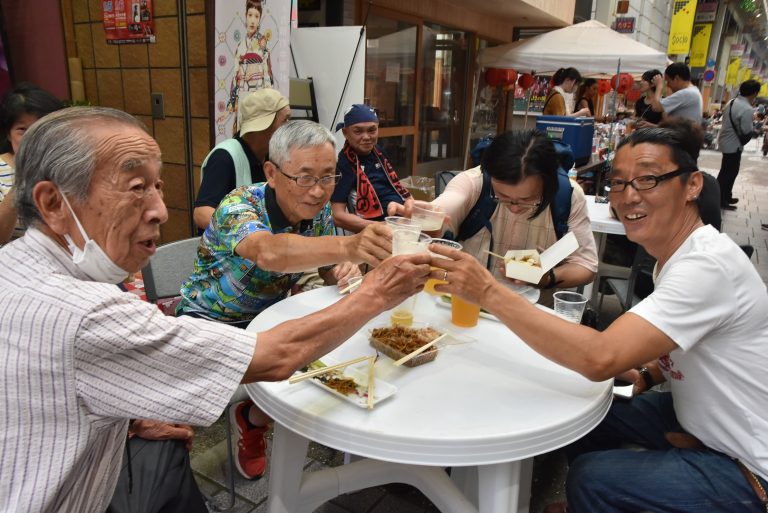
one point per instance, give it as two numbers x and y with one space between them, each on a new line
429 287
464 314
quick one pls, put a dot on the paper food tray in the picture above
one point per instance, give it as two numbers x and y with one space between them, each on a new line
382 389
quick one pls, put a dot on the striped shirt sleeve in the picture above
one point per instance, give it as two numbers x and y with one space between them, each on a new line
131 361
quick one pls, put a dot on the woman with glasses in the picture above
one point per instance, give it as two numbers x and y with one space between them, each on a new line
703 329
522 167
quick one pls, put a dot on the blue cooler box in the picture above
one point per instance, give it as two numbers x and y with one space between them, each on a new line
575 132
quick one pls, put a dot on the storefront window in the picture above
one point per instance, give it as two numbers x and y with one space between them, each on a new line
399 149
390 76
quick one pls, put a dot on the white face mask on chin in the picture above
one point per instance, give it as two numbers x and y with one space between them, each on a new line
92 260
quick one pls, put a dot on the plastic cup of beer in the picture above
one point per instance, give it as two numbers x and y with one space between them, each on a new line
430 216
403 244
429 287
396 223
570 305
463 313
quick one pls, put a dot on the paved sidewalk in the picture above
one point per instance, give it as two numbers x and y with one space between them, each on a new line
208 458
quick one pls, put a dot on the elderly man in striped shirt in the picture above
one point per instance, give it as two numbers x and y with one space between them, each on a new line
80 358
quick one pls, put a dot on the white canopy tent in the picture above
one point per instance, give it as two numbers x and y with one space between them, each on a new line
591 47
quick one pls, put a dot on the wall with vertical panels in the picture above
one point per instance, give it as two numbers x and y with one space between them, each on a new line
124 76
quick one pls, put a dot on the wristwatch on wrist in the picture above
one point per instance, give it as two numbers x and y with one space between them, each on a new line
647 377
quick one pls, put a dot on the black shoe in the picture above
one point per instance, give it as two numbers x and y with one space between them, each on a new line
733 201
765 226
727 207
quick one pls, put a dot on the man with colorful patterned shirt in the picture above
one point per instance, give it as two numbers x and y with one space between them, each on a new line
262 238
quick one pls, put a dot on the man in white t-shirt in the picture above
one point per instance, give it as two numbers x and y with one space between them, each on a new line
704 330
685 100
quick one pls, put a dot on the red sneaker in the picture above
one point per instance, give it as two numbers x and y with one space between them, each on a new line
251 460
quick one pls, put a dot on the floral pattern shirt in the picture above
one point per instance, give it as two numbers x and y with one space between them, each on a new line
227 287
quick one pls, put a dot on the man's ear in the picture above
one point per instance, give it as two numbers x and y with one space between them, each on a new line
695 184
53 210
270 171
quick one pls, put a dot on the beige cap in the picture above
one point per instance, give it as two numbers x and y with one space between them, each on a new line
258 109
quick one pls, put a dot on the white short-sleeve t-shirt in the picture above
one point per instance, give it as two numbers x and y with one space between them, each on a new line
711 302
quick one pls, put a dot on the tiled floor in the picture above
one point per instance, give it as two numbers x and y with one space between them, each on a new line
208 459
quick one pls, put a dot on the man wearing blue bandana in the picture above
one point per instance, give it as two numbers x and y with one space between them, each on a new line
368 182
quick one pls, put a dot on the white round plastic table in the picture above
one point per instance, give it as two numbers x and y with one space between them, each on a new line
484 408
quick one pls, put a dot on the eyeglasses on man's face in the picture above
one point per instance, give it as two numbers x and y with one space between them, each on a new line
642 183
309 181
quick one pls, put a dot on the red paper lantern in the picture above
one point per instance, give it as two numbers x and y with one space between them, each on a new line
500 77
622 82
603 86
526 81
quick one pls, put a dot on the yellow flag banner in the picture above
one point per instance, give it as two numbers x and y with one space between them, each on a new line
700 44
733 71
763 90
683 14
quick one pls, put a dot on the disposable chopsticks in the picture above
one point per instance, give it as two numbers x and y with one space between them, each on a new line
420 350
324 370
350 287
494 254
371 381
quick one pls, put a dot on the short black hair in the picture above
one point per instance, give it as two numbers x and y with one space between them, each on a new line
648 75
673 137
749 87
518 154
24 99
678 69
691 134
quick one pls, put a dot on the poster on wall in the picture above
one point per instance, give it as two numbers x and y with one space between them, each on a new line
128 21
683 13
252 51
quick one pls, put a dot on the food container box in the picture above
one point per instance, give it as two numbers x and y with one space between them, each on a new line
409 338
528 265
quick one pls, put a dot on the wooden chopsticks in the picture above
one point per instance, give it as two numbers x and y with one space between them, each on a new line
350 287
420 350
495 254
371 381
324 370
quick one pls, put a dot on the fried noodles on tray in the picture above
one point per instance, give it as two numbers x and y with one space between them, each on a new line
344 386
403 339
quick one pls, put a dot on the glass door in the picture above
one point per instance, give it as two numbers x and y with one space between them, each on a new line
444 92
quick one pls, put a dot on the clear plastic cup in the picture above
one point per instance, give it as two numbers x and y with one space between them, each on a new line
429 287
464 314
430 216
403 223
570 305
405 243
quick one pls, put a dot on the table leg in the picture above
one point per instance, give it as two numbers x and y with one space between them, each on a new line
286 470
504 487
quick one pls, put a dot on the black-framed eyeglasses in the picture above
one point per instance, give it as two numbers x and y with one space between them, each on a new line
519 204
642 183
308 181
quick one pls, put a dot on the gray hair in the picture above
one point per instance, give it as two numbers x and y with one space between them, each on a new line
61 148
298 134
